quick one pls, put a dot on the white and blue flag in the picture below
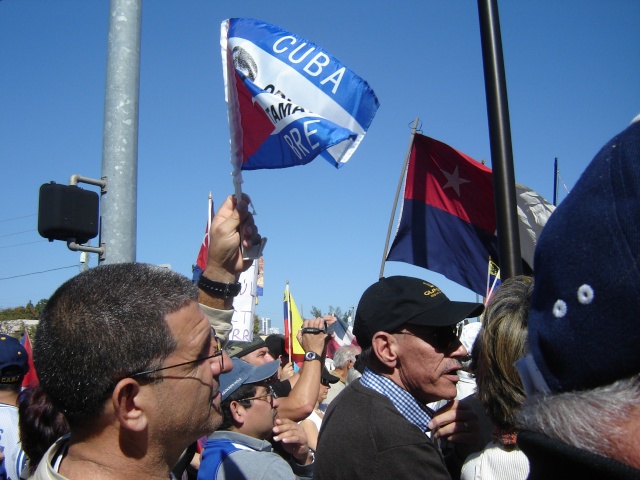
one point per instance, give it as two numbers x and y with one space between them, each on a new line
289 100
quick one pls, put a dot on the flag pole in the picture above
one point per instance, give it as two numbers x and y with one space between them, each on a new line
504 185
555 182
289 321
395 203
210 212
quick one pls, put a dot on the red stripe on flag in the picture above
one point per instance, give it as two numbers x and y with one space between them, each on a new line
256 126
445 178
31 378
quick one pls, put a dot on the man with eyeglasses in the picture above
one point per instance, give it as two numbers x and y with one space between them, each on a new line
126 352
297 394
240 448
381 427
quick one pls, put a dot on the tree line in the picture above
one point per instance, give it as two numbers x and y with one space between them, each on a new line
336 311
26 312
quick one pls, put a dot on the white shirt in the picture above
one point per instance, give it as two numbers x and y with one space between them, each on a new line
14 457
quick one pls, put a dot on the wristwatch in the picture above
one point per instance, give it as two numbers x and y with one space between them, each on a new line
311 356
219 289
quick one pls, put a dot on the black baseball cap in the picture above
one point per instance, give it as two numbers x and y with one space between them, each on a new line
328 376
395 301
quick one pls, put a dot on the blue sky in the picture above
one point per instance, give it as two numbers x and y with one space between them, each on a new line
573 81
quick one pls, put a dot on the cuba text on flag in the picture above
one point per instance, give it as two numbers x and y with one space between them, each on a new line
288 99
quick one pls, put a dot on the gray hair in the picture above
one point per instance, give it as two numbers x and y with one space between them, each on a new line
591 420
345 354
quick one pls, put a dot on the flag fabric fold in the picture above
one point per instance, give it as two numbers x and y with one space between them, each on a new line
292 325
533 213
448 222
31 378
493 279
260 280
342 337
203 253
289 100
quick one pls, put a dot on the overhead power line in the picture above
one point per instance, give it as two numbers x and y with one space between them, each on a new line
18 218
18 233
21 244
36 273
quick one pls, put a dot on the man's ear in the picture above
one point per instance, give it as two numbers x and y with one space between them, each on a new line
238 412
128 405
385 348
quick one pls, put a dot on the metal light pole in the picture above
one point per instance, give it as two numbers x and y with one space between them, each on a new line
120 135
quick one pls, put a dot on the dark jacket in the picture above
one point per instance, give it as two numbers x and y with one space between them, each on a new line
363 436
551 459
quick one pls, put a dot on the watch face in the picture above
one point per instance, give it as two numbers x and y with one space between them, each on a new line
310 356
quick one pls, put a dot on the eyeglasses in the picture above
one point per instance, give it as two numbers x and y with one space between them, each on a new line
325 382
216 344
265 398
441 338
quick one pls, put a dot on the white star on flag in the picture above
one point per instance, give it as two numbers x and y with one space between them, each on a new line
454 181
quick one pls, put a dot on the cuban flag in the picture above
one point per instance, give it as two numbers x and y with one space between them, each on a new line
448 221
289 100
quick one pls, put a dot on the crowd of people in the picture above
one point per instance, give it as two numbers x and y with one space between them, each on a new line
137 378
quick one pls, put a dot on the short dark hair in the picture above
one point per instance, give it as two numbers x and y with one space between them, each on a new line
368 358
276 344
101 326
244 391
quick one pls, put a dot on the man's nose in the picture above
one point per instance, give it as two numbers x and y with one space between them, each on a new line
458 350
221 364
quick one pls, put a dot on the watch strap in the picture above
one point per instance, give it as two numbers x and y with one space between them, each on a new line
309 356
219 289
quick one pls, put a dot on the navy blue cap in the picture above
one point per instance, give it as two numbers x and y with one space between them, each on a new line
244 373
584 327
14 360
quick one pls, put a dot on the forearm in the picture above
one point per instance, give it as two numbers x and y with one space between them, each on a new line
311 431
304 395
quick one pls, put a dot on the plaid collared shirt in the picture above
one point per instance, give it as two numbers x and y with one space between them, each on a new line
410 408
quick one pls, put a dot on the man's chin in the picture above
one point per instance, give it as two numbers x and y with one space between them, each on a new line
215 420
